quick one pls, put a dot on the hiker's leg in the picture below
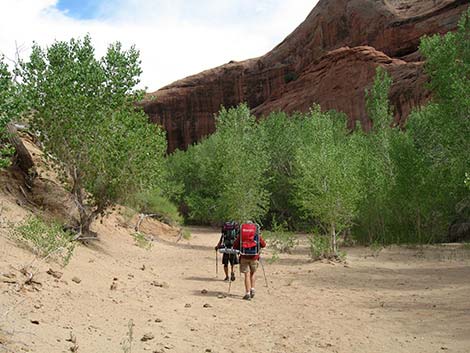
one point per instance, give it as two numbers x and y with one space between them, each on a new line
245 269
232 274
225 263
247 282
252 280
253 268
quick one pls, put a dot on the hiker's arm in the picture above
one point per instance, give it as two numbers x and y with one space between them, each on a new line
262 243
219 243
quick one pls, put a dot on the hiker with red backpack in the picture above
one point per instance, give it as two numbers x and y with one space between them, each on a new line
229 232
249 242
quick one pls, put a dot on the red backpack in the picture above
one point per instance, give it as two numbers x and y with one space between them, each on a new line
249 239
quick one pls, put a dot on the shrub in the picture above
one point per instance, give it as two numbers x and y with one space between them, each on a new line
281 240
152 202
45 240
186 234
319 246
141 241
290 76
10 107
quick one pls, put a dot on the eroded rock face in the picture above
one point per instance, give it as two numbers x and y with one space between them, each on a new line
329 59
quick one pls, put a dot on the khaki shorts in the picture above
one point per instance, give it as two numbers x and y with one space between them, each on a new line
248 265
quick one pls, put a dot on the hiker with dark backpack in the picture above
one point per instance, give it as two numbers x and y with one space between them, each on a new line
249 242
229 232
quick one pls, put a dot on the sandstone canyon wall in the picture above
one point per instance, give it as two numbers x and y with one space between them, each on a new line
329 59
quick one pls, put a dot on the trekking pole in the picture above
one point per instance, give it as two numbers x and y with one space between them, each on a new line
229 283
264 273
216 265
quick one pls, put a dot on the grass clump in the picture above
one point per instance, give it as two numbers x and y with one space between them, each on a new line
186 234
280 239
152 202
319 246
46 240
376 247
142 241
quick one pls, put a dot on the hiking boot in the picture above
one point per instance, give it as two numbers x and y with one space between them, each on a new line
247 297
226 278
232 278
252 292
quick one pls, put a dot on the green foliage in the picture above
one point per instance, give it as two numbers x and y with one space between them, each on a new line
376 248
84 111
412 179
448 66
327 185
223 176
376 170
290 76
280 239
10 108
282 135
46 240
152 202
440 131
141 240
377 102
319 246
186 234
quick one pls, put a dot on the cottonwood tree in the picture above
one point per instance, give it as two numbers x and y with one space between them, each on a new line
223 176
9 108
326 178
441 130
376 172
84 112
283 136
241 166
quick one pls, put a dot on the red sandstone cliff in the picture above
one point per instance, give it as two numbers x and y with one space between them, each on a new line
329 59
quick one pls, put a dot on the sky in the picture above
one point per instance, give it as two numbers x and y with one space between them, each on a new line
176 38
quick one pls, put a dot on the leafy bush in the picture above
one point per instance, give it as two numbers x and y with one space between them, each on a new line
9 108
290 76
280 240
141 240
45 240
152 202
186 234
319 246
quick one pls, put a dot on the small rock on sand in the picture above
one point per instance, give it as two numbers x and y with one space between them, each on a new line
55 274
160 284
76 280
147 337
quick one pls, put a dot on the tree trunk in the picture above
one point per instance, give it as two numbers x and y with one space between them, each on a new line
86 218
22 158
333 238
418 220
